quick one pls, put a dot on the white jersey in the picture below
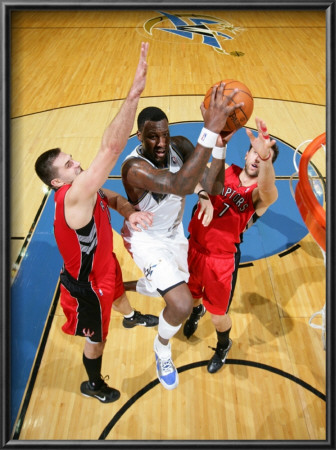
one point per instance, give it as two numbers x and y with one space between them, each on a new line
161 250
167 208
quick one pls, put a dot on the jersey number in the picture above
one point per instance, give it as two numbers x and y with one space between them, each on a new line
226 207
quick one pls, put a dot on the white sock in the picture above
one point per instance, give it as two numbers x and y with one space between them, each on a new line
166 331
164 351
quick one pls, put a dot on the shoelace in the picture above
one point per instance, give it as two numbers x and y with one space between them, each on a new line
166 365
218 352
104 385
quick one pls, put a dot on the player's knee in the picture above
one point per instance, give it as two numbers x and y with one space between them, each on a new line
185 308
93 350
180 304
218 320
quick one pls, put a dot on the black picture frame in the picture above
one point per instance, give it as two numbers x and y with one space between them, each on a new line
7 7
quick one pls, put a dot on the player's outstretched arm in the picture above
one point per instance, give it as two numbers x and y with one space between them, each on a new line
115 136
214 177
137 219
266 192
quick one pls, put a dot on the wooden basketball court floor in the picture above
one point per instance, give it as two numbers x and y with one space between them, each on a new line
70 72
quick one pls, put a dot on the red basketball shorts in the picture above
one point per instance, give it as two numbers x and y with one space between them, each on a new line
87 306
212 279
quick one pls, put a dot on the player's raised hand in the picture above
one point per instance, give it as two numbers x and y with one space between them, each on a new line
139 81
215 116
262 143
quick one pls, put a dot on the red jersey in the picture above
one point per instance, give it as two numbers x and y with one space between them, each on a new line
88 251
233 208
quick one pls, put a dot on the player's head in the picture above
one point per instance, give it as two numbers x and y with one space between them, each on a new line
44 165
56 168
153 132
252 160
275 149
152 114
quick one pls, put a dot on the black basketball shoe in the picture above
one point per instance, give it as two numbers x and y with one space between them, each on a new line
218 359
145 320
192 323
104 393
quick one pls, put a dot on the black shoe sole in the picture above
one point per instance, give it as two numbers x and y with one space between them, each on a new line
129 324
113 399
132 325
102 397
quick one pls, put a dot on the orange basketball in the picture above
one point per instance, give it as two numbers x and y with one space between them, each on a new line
241 115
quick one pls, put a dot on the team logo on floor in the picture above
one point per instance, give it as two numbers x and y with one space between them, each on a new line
205 29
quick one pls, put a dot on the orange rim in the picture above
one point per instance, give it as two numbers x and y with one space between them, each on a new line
311 211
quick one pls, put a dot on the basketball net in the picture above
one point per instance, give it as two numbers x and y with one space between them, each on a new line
310 209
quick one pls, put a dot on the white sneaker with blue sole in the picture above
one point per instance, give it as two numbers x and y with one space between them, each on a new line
165 369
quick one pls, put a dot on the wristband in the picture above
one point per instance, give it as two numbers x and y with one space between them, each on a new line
207 138
266 159
219 152
205 197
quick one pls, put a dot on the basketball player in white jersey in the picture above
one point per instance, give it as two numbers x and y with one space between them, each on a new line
157 175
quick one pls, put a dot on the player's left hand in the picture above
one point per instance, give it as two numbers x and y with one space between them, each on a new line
262 144
206 209
141 220
139 81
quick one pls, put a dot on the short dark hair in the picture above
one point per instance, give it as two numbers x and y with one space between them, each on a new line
275 149
151 113
44 166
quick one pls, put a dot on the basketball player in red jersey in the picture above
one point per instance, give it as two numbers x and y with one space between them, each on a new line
91 280
239 197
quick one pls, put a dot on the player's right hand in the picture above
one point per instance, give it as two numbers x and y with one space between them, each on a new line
215 116
141 220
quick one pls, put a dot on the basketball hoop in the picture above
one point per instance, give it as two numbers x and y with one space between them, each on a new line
310 209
